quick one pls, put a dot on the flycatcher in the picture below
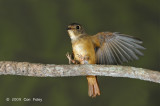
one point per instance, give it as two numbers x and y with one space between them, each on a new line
103 48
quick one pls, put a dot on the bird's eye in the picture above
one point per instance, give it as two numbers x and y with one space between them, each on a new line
77 27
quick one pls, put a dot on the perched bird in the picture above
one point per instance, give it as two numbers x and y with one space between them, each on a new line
102 48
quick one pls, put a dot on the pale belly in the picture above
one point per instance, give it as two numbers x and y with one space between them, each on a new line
80 49
83 50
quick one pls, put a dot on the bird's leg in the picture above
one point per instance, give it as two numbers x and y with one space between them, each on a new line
69 56
83 60
71 60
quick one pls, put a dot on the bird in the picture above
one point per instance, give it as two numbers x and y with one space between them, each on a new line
105 48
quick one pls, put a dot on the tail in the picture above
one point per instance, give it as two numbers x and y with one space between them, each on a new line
93 88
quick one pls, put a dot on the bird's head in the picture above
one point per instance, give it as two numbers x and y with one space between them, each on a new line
75 30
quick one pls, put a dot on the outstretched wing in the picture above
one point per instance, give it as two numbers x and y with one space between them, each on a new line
116 48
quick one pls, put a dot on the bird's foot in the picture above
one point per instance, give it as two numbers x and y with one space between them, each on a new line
83 59
69 56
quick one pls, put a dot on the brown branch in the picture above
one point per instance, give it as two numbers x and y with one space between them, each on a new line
51 70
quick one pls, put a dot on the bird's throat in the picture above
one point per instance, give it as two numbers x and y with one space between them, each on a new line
72 35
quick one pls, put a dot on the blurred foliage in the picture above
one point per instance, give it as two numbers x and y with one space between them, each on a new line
35 31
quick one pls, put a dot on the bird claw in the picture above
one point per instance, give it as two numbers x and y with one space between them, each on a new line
84 59
69 56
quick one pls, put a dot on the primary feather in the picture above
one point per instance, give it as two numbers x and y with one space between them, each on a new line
116 48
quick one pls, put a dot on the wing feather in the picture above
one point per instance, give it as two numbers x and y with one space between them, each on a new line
118 60
121 52
128 52
112 54
116 48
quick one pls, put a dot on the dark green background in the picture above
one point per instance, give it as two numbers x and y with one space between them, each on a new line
35 31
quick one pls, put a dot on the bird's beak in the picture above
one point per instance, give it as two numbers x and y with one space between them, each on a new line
68 28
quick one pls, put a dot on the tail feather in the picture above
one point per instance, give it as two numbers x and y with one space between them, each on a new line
93 88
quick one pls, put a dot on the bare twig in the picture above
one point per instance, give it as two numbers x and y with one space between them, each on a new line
51 70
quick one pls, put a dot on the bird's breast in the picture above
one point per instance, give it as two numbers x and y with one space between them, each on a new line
84 48
80 48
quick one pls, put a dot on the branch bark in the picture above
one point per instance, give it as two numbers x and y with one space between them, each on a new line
52 70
